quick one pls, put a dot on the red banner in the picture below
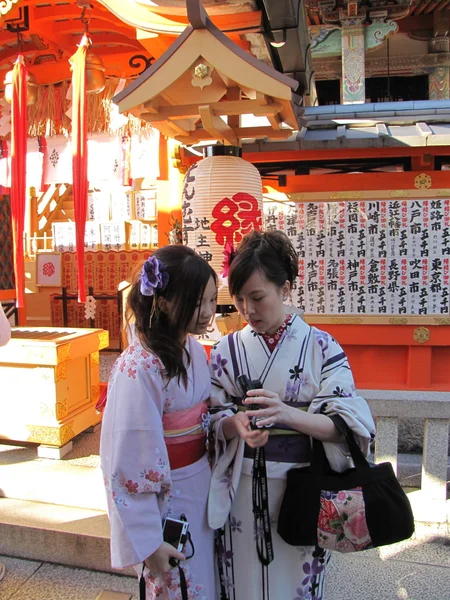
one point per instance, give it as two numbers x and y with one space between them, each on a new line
79 156
18 170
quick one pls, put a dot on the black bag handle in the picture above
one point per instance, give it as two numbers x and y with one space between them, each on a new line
319 459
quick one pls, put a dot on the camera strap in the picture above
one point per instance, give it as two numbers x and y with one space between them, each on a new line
263 531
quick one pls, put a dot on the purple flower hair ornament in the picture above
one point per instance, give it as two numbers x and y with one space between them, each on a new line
153 276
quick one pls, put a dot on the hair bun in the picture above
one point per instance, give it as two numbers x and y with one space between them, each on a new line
276 241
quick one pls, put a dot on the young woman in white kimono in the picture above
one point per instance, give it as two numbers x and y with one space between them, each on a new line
301 369
153 451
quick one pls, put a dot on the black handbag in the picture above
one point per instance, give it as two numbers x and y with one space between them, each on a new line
361 508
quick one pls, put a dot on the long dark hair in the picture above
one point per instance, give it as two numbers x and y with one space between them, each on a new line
188 276
271 252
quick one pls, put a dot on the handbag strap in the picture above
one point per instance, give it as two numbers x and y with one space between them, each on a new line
260 501
319 459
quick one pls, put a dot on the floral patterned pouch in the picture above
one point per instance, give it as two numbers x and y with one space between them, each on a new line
361 508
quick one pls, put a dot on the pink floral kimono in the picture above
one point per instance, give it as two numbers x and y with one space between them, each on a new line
154 465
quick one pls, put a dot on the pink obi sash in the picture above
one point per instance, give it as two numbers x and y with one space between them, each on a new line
185 435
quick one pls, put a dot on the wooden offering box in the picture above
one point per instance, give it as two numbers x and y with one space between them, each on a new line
50 383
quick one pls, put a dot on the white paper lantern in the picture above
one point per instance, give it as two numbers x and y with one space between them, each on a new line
222 201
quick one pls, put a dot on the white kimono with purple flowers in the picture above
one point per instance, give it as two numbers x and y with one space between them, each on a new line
307 369
141 486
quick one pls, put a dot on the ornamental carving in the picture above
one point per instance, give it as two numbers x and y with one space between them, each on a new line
399 194
347 320
422 181
420 64
95 358
421 335
61 409
442 320
46 411
346 195
52 436
63 353
60 372
6 6
398 321
103 339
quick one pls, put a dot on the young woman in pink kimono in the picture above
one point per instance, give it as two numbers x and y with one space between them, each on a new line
155 425
301 369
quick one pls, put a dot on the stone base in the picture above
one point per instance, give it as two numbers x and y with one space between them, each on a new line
53 452
93 428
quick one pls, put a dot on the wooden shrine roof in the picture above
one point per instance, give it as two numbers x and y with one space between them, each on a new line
204 76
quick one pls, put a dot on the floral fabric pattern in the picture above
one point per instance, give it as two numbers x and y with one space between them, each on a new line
306 369
168 586
342 524
141 488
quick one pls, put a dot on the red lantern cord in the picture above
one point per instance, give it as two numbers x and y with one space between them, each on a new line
18 171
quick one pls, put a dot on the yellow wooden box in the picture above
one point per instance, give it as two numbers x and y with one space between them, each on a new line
50 383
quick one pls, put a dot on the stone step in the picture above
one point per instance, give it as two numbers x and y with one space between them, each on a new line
77 479
69 536
59 482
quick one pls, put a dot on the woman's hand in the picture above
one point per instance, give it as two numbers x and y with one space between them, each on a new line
239 424
158 562
272 410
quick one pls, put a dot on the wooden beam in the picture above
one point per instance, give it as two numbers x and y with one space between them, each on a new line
226 108
275 121
200 135
217 126
169 128
234 95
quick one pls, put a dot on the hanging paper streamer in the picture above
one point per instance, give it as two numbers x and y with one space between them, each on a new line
18 170
89 308
79 156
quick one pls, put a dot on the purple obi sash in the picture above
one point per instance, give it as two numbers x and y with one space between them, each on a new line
294 448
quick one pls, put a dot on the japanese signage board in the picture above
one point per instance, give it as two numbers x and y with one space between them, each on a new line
389 257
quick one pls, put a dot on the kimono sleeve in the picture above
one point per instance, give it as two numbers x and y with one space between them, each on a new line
228 454
337 391
134 460
5 328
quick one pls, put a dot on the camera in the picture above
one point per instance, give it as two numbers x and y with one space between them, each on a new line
175 532
251 384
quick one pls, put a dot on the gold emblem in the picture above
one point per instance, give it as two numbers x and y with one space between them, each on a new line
63 353
201 71
421 335
103 338
422 181
202 76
